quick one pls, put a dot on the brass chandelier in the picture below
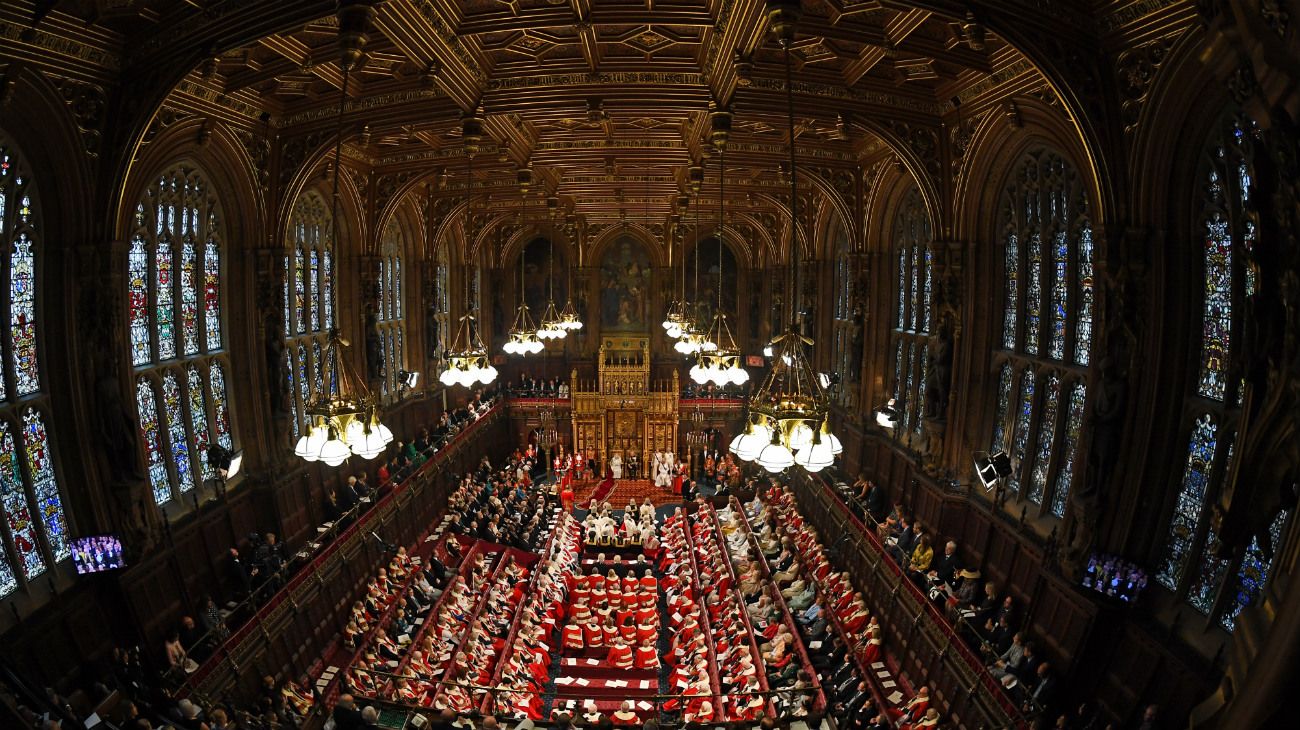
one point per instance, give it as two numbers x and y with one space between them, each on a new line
789 413
718 360
522 339
343 419
467 359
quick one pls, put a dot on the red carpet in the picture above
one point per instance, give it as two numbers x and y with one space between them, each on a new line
622 491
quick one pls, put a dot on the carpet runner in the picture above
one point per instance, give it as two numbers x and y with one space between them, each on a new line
620 491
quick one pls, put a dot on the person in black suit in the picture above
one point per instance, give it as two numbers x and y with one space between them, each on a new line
829 655
848 704
1045 692
346 714
877 502
944 568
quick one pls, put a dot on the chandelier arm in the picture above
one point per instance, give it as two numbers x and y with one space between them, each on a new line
722 196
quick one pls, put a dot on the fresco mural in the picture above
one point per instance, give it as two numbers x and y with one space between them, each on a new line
625 287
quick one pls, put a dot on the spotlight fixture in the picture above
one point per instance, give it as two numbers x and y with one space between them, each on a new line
992 468
227 463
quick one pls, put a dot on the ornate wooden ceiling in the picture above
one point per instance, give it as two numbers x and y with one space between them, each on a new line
606 100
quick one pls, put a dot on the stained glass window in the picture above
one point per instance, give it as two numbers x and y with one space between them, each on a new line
1065 475
1020 437
912 236
1000 410
212 290
189 298
389 306
1060 285
49 504
300 291
1083 320
174 293
304 384
294 407
1226 232
151 431
317 369
174 408
198 419
1011 291
138 296
220 406
1033 293
923 363
1188 506
18 514
164 310
1253 573
327 290
33 526
1047 301
1046 436
314 288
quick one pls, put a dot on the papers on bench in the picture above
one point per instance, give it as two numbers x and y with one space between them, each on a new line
644 706
564 680
581 681
877 665
364 500
616 683
888 683
895 698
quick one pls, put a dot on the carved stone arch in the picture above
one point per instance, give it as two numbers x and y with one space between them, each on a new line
316 169
832 202
351 209
222 162
638 231
72 258
48 137
915 156
450 232
996 150
406 215
405 192
764 249
508 255
1160 162
780 250
890 195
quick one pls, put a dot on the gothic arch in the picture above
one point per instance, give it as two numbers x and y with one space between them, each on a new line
611 233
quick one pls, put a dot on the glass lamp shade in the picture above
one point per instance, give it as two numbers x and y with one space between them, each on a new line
684 345
511 347
831 439
575 324
384 433
815 457
309 445
707 345
370 445
799 436
354 432
487 375
701 373
449 377
738 374
536 346
775 457
747 444
334 451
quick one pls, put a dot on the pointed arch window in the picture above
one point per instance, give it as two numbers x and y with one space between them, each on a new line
912 237
389 317
175 288
309 298
33 525
848 323
1045 234
1191 562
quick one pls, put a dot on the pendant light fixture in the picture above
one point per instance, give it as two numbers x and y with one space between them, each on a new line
790 407
552 326
720 365
343 420
523 333
694 337
569 318
467 359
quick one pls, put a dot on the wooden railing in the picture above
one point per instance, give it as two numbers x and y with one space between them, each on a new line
300 619
925 643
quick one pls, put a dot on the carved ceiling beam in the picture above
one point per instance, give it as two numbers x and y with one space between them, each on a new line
617 13
420 30
743 31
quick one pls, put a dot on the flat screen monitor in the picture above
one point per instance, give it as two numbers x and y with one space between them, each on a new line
97 553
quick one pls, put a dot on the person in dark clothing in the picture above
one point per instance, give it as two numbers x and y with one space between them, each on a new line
346 714
877 502
331 510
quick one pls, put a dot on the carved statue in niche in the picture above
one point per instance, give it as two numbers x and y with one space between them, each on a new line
134 512
938 377
277 365
857 343
1109 403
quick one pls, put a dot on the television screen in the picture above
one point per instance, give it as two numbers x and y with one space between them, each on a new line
754 361
97 553
1114 577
